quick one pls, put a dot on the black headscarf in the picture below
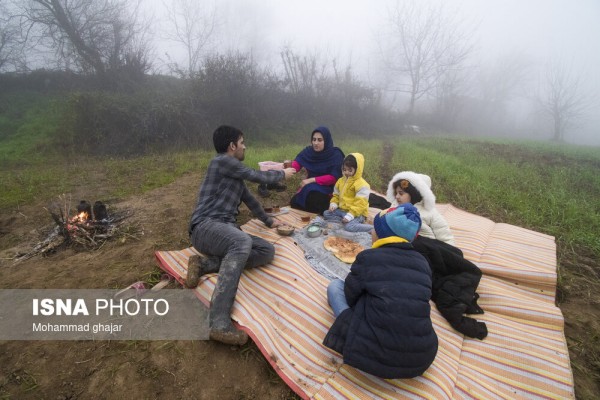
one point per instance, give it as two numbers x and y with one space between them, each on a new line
325 162
318 163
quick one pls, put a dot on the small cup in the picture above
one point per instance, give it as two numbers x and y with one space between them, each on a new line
305 218
268 210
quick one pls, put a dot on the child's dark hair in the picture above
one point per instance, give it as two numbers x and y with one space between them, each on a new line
350 162
406 186
224 135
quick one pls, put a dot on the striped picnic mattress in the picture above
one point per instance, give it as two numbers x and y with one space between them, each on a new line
283 307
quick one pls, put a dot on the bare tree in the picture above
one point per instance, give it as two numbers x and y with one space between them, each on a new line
98 35
449 92
193 26
422 43
303 73
496 86
11 44
504 79
563 98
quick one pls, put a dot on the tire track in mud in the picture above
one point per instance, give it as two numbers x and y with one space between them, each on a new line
387 152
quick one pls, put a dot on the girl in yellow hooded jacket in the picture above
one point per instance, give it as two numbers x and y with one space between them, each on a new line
350 202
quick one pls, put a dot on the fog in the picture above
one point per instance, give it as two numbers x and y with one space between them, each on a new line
496 86
533 34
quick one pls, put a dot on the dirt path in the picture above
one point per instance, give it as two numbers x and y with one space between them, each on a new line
387 153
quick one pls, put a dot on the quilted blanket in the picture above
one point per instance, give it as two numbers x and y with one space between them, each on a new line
283 307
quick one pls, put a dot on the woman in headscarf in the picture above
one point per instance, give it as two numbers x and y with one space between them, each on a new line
323 164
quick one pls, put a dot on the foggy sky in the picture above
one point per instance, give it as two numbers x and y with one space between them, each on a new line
540 30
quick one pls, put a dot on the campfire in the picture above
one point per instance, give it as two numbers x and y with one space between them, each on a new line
85 226
85 218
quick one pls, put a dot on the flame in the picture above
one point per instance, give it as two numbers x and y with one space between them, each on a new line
81 217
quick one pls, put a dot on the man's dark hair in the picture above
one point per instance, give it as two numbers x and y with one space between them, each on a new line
350 162
224 135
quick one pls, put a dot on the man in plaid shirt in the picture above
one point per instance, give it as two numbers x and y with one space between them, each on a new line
225 248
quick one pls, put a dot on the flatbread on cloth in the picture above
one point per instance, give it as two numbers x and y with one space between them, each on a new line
344 249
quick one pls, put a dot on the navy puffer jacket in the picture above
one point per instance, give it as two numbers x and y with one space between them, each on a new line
387 331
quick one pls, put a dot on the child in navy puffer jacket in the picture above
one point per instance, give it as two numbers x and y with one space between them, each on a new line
383 317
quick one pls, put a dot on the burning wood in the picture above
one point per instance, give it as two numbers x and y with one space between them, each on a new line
88 228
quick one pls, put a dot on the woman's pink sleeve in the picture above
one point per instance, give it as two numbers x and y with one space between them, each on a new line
296 165
326 180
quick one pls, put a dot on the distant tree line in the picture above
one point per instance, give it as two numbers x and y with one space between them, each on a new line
427 56
98 54
166 112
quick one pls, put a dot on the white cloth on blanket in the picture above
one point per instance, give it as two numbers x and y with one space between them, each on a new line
323 261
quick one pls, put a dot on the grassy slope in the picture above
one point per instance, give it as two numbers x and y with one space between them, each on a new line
552 189
32 168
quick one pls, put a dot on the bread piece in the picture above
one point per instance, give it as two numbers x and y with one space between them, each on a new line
344 249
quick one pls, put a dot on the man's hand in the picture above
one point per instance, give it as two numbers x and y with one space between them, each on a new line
289 172
332 207
276 222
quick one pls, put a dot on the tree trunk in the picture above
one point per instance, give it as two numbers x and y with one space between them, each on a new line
558 133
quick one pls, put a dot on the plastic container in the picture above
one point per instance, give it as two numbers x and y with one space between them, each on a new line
313 231
269 165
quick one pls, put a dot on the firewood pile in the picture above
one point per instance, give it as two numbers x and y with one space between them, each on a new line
87 227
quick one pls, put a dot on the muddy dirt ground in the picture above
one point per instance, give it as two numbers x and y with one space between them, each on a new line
157 369
121 369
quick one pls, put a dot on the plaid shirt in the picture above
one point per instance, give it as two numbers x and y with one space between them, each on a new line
223 190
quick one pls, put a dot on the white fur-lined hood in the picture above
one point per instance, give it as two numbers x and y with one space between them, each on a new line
421 182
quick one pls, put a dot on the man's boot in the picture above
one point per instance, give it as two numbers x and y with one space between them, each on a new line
263 191
221 327
199 265
279 187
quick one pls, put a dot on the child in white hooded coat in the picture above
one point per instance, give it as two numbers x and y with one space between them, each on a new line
411 187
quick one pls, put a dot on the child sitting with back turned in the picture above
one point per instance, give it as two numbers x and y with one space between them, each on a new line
350 201
383 318
410 187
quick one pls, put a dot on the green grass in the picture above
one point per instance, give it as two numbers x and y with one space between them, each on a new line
49 177
551 188
33 167
256 152
542 186
28 127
